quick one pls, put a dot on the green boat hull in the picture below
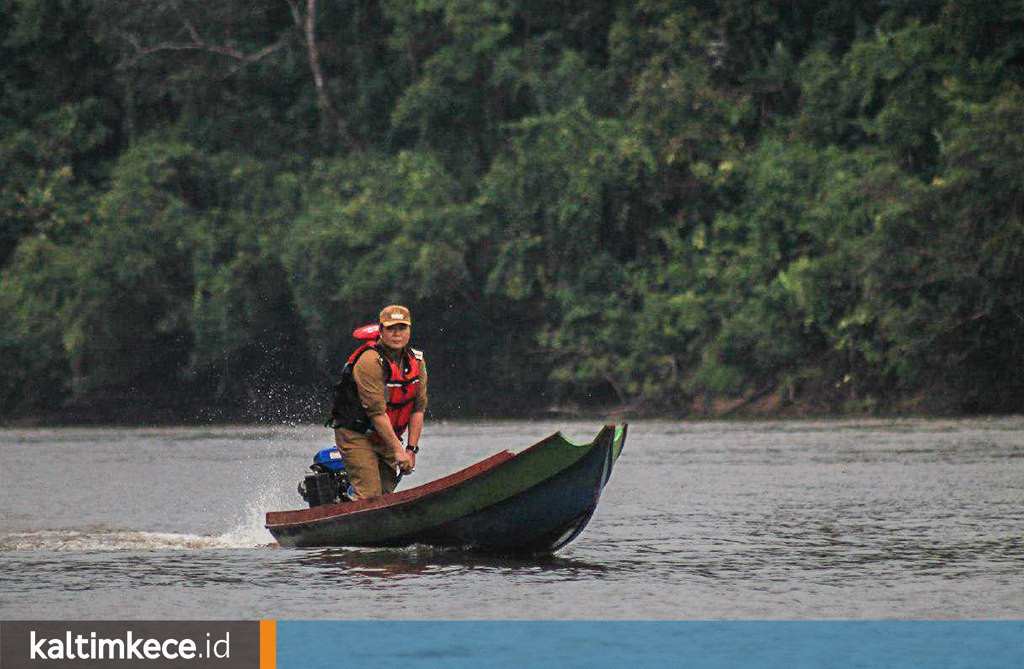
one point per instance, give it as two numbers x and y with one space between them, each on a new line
534 502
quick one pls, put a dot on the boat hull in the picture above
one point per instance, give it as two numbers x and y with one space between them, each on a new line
533 502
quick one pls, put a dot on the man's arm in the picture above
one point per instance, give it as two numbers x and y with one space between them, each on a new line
415 429
419 406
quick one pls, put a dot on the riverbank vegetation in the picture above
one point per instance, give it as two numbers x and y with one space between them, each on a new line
665 207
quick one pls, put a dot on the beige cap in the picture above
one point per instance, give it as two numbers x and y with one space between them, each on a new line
395 313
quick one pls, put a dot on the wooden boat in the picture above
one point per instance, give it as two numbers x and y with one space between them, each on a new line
536 501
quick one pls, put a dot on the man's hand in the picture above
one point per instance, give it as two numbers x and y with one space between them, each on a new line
406 460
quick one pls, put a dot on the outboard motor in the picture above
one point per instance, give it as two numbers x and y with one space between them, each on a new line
328 484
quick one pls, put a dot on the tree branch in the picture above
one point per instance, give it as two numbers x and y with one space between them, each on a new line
296 14
305 22
200 45
323 97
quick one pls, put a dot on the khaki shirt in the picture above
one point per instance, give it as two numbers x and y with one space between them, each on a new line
369 377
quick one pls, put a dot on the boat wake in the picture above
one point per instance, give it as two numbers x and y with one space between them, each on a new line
248 532
246 523
118 540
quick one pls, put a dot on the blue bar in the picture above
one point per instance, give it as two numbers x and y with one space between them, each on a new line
640 644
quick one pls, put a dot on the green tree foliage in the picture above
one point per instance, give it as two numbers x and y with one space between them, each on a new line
373 230
37 290
658 206
955 304
573 221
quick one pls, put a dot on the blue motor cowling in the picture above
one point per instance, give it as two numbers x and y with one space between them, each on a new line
328 459
328 484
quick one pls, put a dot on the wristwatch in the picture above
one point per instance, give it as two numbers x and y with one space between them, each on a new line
413 447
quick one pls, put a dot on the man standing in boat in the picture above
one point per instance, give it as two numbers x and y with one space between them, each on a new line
382 393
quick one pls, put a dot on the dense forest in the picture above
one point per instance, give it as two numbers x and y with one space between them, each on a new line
656 207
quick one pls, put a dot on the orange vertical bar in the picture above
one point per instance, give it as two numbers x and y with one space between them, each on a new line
268 644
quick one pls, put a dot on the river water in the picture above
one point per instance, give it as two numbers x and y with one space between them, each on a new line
918 519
